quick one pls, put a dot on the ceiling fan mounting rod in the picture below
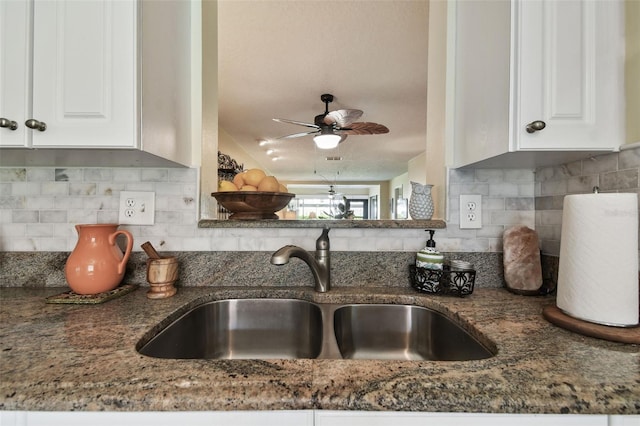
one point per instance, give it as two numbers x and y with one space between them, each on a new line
326 98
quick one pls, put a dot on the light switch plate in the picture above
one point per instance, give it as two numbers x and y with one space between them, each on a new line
137 208
471 211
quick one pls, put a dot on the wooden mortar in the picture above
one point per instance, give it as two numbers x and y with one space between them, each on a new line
161 275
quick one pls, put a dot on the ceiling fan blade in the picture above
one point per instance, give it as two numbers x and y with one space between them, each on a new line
299 123
342 117
365 128
298 135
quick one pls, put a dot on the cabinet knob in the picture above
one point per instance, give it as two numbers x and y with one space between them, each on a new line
10 124
36 125
535 126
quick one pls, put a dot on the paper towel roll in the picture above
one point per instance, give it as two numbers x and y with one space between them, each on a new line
598 275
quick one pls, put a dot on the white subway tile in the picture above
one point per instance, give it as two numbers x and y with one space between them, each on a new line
50 244
600 163
25 188
553 187
107 216
13 202
68 175
169 189
461 175
188 175
82 216
39 203
98 175
110 188
128 175
55 188
387 244
490 175
12 230
37 174
25 216
154 175
504 189
141 186
13 174
53 216
39 230
19 244
221 244
519 175
549 217
68 203
512 217
82 189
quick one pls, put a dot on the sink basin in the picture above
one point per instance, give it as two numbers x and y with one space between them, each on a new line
402 332
242 329
292 328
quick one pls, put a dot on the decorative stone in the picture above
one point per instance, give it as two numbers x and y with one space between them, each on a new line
522 265
421 202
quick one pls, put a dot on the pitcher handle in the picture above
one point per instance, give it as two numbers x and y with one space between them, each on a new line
112 240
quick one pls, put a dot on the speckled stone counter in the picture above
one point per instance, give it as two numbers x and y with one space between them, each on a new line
321 223
68 357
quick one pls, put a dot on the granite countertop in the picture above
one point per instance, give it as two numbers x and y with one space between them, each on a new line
83 357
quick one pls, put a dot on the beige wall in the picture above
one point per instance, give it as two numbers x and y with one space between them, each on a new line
227 145
436 103
632 69
209 175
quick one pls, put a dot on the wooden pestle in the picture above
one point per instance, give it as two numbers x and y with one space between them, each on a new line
151 252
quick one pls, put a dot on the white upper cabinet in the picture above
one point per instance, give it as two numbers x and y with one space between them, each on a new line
84 73
15 69
536 82
96 74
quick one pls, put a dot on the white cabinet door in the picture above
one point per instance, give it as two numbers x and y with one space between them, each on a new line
84 73
15 66
516 62
569 62
364 418
168 418
620 420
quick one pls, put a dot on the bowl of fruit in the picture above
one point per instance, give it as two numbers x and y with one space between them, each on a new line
252 195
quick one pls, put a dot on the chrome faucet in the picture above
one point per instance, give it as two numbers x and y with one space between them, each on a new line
320 263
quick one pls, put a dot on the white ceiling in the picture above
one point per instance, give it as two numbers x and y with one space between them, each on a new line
277 57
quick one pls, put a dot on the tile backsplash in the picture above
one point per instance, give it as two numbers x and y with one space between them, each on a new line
40 205
615 172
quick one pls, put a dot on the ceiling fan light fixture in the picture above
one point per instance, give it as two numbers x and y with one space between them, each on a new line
327 140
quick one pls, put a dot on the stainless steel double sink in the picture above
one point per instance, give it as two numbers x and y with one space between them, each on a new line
292 328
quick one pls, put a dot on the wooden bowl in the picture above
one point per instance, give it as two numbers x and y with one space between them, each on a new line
253 204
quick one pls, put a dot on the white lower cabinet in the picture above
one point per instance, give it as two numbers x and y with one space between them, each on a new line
305 418
368 418
156 418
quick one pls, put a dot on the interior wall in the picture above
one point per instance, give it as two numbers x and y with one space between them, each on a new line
209 175
632 70
228 146
417 168
436 173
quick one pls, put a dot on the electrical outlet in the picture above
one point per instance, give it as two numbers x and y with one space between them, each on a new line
470 211
137 208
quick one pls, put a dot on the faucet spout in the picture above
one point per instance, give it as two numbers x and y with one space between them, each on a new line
319 263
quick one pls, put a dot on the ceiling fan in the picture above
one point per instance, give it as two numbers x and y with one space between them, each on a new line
333 193
333 127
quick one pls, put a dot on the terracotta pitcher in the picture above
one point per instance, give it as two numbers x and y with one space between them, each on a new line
97 264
